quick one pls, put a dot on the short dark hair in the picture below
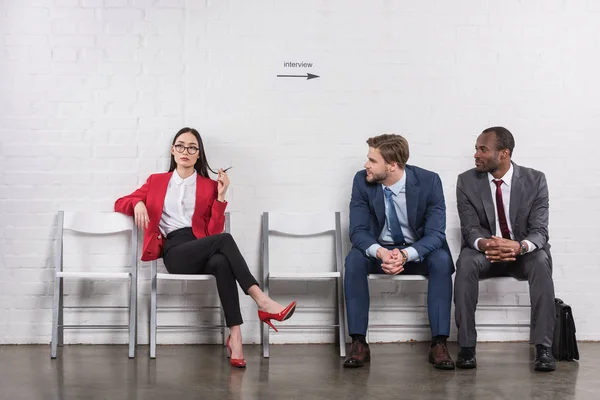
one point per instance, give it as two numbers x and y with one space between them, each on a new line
504 139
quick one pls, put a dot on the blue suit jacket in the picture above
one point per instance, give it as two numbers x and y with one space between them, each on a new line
424 203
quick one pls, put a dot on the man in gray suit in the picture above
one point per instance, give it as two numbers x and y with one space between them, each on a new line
503 210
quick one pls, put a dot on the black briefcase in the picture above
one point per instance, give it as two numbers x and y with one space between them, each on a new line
564 346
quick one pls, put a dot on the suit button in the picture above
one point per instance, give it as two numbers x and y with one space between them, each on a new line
159 236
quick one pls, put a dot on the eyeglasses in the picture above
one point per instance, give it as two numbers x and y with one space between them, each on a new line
190 149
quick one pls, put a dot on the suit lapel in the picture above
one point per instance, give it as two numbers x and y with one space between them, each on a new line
200 194
516 191
413 191
159 192
379 206
488 203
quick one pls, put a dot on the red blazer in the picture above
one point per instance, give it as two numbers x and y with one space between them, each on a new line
208 218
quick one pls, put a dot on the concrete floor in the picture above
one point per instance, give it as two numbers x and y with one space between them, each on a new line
293 372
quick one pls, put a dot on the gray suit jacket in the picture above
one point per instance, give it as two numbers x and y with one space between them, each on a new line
528 207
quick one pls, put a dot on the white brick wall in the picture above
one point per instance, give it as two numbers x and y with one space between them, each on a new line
91 93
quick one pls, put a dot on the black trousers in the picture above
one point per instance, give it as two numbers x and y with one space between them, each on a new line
217 255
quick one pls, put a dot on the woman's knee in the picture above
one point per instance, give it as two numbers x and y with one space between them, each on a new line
218 263
226 237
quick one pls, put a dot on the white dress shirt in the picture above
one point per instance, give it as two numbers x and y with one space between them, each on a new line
505 188
180 202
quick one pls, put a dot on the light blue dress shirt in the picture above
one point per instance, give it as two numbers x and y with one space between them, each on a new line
399 197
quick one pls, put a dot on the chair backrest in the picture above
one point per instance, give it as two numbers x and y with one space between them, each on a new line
94 223
302 225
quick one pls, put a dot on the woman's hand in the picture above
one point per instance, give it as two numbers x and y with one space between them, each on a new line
140 215
222 185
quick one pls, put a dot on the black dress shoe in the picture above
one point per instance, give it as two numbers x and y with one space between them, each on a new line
466 359
359 355
543 359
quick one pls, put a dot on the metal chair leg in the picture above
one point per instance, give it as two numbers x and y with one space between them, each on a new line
340 317
264 327
153 309
61 311
339 285
55 306
132 316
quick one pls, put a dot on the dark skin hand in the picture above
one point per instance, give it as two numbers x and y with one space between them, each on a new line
498 249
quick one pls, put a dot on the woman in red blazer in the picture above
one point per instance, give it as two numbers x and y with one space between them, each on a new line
182 213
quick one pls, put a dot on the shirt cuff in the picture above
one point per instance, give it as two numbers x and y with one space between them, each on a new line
530 246
218 207
475 245
413 255
372 250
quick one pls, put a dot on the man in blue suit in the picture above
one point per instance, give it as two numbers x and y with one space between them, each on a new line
397 226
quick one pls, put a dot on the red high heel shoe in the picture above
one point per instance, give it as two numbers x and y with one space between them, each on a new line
235 362
286 313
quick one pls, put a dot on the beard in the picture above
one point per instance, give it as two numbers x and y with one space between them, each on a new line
486 167
376 178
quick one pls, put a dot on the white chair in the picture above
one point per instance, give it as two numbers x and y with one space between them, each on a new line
304 226
154 308
501 279
405 278
96 224
398 278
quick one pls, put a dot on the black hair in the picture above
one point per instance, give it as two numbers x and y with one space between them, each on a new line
201 165
504 139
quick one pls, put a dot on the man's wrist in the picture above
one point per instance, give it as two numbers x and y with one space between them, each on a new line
404 254
481 244
523 247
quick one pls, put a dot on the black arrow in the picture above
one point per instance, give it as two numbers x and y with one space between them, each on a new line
307 76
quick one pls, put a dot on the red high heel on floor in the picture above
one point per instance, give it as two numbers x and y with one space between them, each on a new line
235 362
286 313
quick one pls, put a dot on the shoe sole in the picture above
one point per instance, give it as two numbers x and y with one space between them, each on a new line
467 366
289 314
545 368
353 365
368 359
441 366
444 367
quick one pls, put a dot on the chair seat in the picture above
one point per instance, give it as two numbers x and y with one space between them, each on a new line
303 275
398 277
503 279
184 277
93 275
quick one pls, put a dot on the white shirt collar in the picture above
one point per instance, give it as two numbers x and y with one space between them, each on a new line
189 181
507 178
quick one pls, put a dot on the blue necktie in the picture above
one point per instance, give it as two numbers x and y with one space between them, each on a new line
393 220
